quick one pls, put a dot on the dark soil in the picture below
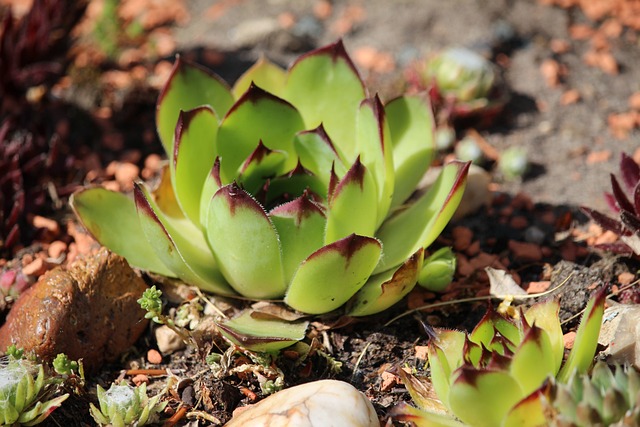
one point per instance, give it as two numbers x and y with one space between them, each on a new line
559 139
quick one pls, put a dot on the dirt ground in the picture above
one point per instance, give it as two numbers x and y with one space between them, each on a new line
563 110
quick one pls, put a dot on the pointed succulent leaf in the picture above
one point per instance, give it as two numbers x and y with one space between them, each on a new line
212 184
333 274
300 225
291 185
353 205
317 154
421 392
189 86
483 398
385 289
261 165
325 87
619 195
185 253
604 221
584 347
256 116
192 157
245 244
445 356
485 330
111 218
263 73
420 418
545 316
263 335
630 171
373 140
535 350
412 132
529 412
420 224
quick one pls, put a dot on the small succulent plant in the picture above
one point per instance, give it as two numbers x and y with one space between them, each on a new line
438 270
25 393
462 84
291 184
513 163
627 226
606 397
498 374
123 405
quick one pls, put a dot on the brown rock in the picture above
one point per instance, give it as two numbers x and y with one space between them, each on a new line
89 311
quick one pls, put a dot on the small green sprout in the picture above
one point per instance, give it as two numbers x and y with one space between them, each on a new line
123 405
151 301
64 366
23 393
513 163
14 352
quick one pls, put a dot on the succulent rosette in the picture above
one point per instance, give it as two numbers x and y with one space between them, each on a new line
499 374
122 406
24 391
292 184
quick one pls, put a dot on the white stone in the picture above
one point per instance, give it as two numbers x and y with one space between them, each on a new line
620 334
325 403
168 341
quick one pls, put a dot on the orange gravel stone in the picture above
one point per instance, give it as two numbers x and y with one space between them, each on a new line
37 267
422 352
154 356
524 251
46 223
569 338
56 249
140 379
461 237
537 287
626 278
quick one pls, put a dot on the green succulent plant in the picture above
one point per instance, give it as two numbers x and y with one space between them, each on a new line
291 184
498 375
23 393
606 397
123 405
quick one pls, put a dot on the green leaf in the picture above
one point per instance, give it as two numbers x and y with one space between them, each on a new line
212 184
318 154
263 335
535 350
325 87
352 205
192 157
373 140
333 274
256 116
385 289
112 219
261 165
412 127
445 356
420 418
300 225
263 73
529 412
245 244
545 315
184 251
420 224
189 86
584 347
291 185
483 398
41 411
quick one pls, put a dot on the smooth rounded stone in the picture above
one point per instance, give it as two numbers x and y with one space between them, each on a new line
89 311
325 403
620 334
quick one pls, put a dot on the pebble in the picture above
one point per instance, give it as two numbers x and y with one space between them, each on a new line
462 237
168 341
154 356
620 334
50 225
315 404
139 379
524 251
37 267
56 249
87 311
